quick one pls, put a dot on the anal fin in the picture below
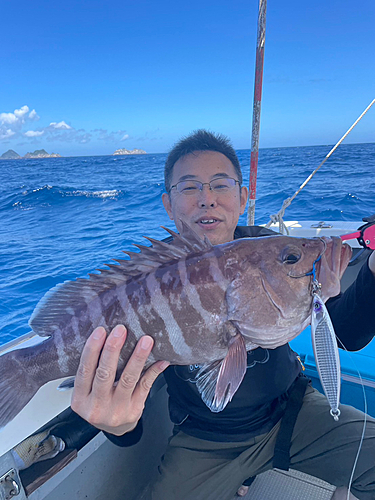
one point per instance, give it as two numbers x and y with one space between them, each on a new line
217 382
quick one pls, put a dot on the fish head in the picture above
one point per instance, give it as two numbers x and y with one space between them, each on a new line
299 259
270 298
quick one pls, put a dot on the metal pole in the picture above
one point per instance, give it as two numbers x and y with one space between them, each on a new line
261 38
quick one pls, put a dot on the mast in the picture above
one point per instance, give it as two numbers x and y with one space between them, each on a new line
261 39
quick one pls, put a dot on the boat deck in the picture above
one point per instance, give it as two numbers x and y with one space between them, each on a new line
289 485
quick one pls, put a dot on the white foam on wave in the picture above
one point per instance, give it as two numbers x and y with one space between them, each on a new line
109 193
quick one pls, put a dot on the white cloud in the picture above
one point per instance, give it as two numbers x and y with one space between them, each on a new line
11 123
15 126
61 125
7 118
6 134
16 118
20 113
34 133
33 115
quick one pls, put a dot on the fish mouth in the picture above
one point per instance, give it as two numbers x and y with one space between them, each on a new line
346 255
337 254
332 265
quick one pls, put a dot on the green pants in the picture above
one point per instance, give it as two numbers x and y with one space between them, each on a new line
196 469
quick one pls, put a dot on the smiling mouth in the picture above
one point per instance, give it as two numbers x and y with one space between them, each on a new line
207 221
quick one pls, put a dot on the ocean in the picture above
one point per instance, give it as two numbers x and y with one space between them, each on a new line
61 218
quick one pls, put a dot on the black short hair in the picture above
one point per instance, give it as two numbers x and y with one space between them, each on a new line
200 140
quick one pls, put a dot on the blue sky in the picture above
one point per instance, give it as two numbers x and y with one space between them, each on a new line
88 77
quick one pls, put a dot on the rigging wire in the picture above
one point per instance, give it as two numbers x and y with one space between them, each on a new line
278 218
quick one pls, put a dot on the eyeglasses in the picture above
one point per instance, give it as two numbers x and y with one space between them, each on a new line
219 186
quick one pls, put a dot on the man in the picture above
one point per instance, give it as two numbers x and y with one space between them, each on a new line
211 454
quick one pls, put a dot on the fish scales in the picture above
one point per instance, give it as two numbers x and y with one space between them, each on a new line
196 294
202 304
207 285
135 330
187 313
174 332
134 300
147 311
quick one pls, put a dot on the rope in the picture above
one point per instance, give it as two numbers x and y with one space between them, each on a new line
278 218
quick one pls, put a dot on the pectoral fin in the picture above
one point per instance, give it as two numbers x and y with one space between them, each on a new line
218 382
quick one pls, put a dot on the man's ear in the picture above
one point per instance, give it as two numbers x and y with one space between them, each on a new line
243 198
166 199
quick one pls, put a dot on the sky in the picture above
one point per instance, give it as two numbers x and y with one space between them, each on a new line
89 77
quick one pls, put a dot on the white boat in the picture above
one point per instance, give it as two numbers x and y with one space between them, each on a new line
92 467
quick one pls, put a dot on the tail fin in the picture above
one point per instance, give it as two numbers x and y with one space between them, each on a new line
16 386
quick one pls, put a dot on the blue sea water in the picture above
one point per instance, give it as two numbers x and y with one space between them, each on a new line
61 218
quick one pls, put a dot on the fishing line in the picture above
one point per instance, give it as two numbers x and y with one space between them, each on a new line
278 218
364 420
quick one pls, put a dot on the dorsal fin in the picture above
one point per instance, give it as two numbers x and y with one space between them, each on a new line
188 240
64 298
160 252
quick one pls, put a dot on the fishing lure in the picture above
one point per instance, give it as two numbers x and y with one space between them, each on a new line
326 352
324 343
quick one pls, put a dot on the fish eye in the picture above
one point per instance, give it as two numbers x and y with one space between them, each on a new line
291 259
291 256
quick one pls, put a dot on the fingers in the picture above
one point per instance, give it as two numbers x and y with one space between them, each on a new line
116 409
134 367
132 384
371 262
242 490
105 373
143 388
89 362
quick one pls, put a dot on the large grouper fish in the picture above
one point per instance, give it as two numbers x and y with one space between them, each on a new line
202 304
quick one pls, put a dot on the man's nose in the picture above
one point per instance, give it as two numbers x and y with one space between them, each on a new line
207 197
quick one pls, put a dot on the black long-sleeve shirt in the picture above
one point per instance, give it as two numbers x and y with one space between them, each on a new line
261 398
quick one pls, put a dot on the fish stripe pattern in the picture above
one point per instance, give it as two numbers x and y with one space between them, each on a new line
202 304
161 305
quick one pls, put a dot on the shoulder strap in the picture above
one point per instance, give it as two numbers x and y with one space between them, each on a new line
281 457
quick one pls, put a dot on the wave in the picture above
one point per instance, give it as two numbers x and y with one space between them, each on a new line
50 195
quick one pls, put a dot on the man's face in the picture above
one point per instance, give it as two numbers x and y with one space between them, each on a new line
207 212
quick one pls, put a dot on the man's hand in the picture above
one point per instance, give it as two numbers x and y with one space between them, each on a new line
114 409
371 262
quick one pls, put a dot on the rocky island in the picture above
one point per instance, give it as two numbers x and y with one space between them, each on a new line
39 153
10 155
129 152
